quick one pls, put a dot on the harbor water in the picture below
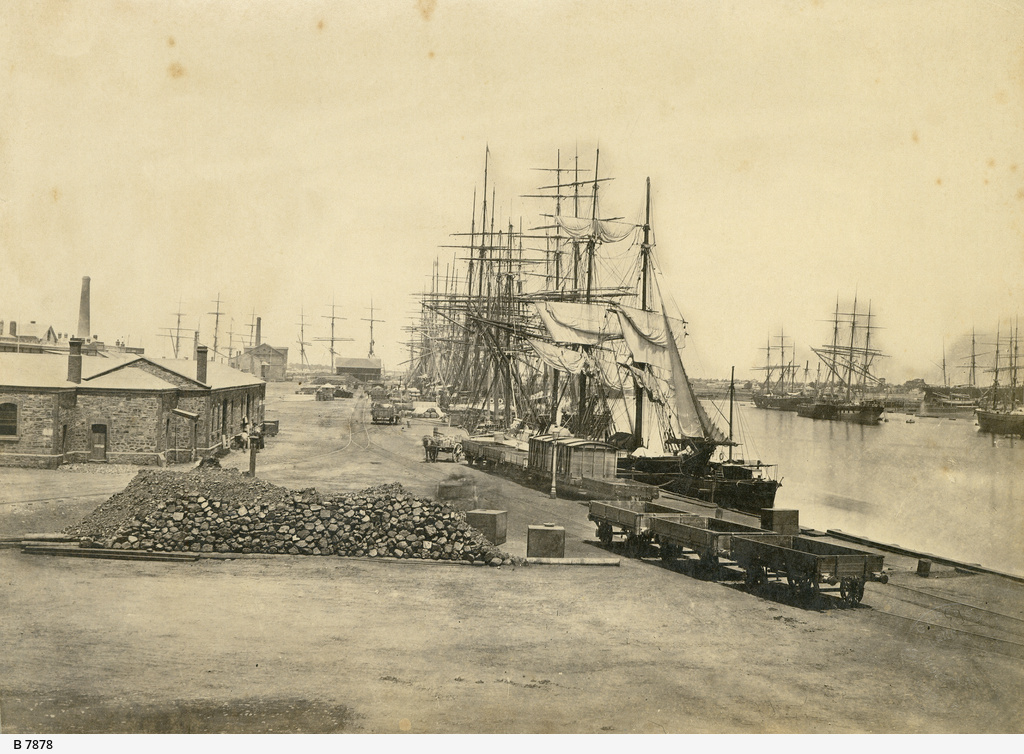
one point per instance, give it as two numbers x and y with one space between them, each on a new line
934 485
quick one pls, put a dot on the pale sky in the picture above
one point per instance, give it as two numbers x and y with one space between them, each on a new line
281 154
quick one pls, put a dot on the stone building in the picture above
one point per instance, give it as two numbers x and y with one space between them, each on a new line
58 409
265 361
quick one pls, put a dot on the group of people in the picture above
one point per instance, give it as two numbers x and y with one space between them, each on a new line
252 434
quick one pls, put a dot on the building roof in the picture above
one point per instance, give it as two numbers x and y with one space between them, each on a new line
112 372
48 370
343 363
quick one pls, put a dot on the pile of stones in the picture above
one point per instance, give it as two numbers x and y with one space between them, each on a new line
215 511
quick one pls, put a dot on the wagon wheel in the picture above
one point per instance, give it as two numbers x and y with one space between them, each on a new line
852 591
604 533
634 546
755 577
709 558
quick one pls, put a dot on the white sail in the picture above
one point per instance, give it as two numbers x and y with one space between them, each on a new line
693 419
557 357
646 335
579 324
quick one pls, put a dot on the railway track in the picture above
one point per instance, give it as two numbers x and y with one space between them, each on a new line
947 619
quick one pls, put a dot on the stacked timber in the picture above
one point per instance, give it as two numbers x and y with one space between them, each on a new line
213 511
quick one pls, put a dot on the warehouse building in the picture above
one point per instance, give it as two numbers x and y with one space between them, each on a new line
58 409
361 370
262 360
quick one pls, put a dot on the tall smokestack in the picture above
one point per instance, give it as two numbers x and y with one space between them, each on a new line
75 360
83 310
201 363
259 325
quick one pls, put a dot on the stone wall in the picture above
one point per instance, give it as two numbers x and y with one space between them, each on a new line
33 445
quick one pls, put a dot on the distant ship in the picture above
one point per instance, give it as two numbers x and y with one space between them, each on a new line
1004 417
843 395
779 391
952 402
945 403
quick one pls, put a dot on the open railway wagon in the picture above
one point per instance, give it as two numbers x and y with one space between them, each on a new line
806 564
487 451
631 519
708 537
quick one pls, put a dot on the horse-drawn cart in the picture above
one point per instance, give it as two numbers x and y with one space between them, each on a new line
436 444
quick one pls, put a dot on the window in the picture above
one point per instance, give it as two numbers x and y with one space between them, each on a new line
8 419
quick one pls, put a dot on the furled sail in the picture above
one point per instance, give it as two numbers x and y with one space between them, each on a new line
607 231
575 323
557 357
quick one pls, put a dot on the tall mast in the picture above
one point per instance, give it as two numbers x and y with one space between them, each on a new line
645 252
1014 339
216 325
302 338
853 336
974 365
333 339
995 379
732 396
371 320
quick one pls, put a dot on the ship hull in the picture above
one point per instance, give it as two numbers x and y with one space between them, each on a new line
859 413
777 402
732 486
1001 422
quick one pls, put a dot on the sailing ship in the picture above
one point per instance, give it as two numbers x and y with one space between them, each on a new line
779 390
957 402
1005 415
594 352
844 394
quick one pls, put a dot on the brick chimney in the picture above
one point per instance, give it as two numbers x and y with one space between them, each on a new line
259 324
83 310
201 363
75 360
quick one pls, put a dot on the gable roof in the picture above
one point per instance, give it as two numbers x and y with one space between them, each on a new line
373 363
45 370
49 369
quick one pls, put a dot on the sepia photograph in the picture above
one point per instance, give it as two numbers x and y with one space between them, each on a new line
462 367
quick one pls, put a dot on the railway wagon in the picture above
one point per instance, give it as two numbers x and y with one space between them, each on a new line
708 537
485 451
632 519
806 564
575 458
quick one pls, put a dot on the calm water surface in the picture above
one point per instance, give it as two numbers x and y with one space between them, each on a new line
937 485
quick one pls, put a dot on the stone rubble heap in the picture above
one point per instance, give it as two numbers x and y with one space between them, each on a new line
216 511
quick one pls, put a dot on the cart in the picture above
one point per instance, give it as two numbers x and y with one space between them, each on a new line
708 537
806 564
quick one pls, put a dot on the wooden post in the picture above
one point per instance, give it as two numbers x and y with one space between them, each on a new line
252 458
554 466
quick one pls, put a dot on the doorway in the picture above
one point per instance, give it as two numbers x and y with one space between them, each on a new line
99 443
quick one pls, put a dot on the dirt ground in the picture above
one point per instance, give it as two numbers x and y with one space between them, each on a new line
307 644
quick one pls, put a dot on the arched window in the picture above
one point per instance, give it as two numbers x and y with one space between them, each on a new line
8 419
